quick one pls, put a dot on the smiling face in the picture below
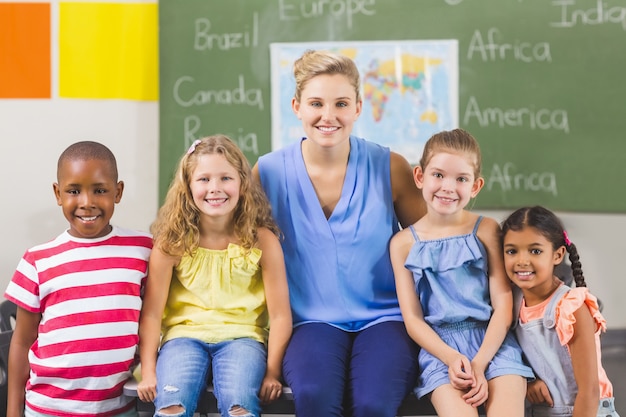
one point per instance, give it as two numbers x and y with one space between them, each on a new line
87 190
448 182
328 108
215 185
529 260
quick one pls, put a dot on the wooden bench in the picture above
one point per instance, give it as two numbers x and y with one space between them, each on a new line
284 405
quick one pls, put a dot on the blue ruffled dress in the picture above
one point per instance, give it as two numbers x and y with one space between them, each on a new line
451 280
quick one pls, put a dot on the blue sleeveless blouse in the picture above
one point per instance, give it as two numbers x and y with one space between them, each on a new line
338 269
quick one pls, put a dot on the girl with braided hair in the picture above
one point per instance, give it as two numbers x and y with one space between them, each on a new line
558 327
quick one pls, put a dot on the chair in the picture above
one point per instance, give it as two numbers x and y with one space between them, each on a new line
8 312
5 341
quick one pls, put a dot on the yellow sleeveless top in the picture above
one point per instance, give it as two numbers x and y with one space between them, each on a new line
217 295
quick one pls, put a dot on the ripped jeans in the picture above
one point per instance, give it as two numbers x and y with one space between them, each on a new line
238 367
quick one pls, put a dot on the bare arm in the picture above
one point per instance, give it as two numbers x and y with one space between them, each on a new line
407 198
582 347
277 297
502 303
157 288
255 173
24 335
499 291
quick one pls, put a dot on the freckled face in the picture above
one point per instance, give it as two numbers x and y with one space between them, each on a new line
215 185
328 109
87 191
448 182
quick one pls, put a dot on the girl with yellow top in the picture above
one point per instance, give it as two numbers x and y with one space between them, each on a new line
216 279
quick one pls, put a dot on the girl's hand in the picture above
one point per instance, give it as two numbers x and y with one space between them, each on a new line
479 393
537 393
146 389
460 373
271 389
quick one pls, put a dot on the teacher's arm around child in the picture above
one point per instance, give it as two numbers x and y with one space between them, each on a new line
453 292
216 282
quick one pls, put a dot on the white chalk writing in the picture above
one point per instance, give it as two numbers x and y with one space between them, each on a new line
493 48
508 178
345 9
238 96
205 40
191 126
247 142
542 119
598 15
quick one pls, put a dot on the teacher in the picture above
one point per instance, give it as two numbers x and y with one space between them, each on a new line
338 199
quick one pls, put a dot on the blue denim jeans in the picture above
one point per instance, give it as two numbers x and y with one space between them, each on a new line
238 368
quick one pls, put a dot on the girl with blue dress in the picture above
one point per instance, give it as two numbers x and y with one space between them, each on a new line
454 295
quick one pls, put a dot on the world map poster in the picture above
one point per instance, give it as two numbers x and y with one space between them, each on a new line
410 91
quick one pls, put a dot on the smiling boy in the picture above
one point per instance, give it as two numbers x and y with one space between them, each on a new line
79 299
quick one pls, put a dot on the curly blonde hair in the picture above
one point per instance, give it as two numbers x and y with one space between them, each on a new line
175 230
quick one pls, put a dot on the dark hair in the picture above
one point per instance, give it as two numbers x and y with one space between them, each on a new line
87 150
549 225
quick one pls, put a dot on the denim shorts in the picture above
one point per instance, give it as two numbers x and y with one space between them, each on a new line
467 337
184 364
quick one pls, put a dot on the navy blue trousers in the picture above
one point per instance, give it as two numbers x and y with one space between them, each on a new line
333 372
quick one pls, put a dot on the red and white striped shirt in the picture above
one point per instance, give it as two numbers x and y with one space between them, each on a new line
88 292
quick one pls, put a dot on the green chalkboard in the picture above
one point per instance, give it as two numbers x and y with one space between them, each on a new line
540 83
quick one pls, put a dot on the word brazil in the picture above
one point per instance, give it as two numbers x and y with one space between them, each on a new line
204 39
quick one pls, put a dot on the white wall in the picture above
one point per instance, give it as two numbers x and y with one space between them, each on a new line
33 133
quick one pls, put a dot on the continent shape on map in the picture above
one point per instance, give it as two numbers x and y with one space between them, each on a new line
381 79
